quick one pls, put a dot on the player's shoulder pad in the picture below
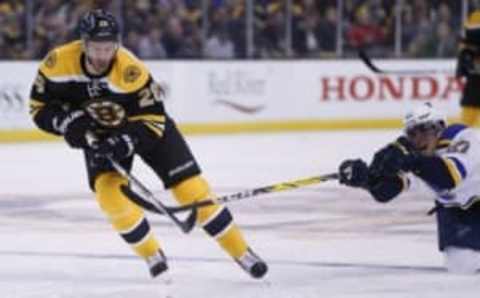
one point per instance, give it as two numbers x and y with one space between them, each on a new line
450 133
129 74
63 61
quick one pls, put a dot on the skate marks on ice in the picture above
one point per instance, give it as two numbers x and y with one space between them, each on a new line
316 209
209 260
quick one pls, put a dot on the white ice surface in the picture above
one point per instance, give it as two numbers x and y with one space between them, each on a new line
321 241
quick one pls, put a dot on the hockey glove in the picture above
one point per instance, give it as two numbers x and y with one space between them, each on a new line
118 147
466 63
353 172
393 158
74 127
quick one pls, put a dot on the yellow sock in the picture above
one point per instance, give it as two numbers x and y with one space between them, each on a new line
126 217
216 220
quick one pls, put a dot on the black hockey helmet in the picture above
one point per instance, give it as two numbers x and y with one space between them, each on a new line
98 25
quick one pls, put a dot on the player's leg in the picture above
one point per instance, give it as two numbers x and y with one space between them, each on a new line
174 163
459 238
126 217
218 223
462 260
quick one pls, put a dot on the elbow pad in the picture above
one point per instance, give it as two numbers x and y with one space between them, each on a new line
47 117
434 171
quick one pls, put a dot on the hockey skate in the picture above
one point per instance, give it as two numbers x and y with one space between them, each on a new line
157 264
252 264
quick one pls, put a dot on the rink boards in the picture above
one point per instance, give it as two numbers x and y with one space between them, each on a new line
259 96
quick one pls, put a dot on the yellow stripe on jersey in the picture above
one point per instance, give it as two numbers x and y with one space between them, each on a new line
148 117
155 128
63 62
453 170
444 143
35 107
128 74
156 123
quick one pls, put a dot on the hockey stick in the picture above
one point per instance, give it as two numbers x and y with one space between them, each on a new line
369 63
150 201
279 187
185 225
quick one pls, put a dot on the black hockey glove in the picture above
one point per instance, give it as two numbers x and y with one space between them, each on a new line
74 127
118 146
353 172
393 158
466 63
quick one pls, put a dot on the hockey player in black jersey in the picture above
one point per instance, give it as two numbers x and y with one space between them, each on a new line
445 158
94 85
468 67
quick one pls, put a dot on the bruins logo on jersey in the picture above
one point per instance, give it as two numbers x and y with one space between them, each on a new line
51 60
106 112
131 73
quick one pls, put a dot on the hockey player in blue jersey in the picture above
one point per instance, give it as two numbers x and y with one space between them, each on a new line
446 158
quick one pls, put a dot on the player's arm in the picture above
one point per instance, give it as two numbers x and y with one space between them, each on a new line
468 60
437 171
383 187
44 108
385 177
50 114
147 118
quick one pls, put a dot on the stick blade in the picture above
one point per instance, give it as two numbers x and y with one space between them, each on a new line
186 225
368 62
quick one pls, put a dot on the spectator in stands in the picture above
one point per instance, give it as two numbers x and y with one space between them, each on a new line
364 32
446 41
326 30
219 45
237 27
150 45
366 23
51 21
172 38
12 32
132 41
272 35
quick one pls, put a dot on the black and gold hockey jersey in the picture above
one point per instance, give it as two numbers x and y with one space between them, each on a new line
125 96
470 43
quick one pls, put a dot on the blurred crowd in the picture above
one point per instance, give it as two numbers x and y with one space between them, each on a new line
218 29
